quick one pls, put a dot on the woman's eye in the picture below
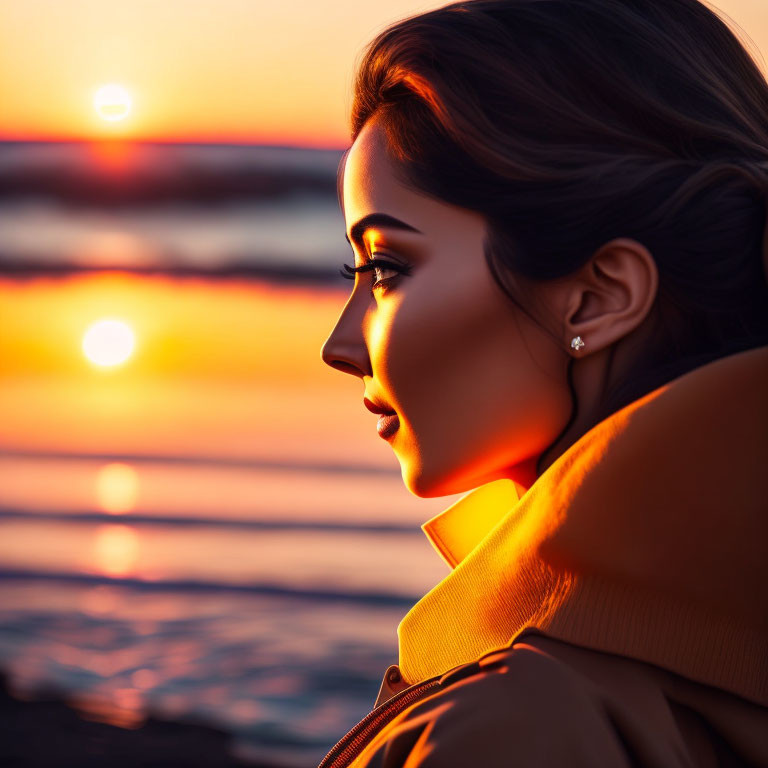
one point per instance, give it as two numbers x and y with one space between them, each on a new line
378 265
382 267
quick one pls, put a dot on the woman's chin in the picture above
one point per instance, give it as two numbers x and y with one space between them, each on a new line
422 478
429 482
415 479
428 485
423 491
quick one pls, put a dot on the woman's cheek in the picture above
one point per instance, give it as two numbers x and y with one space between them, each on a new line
427 340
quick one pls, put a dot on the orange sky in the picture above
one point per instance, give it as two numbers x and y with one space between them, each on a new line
204 70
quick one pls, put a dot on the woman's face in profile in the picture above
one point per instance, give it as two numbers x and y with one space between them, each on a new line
479 390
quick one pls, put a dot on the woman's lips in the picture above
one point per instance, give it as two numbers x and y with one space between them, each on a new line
387 425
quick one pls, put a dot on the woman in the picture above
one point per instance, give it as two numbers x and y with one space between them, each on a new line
557 213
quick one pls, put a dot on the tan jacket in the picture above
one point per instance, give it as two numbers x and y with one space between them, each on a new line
615 614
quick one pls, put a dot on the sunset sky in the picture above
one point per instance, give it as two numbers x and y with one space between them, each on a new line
204 70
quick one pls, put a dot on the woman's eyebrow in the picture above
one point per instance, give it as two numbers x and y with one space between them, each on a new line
382 220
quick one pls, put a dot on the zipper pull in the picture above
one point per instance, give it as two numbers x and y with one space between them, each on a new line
391 683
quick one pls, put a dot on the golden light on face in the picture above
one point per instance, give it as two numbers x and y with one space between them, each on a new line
112 102
108 342
442 336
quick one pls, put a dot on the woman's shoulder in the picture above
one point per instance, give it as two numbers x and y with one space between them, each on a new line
546 703
521 706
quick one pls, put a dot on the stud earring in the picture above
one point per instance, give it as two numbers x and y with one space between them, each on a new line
576 343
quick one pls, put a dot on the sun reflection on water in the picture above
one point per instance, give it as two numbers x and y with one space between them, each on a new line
117 488
116 550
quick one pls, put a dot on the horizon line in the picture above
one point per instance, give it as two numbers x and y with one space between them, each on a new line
200 142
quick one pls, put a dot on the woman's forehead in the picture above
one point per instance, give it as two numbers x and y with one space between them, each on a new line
368 174
371 185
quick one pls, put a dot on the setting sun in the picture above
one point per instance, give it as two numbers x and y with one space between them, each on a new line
112 102
108 342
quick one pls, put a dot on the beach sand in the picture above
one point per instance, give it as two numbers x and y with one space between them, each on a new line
46 732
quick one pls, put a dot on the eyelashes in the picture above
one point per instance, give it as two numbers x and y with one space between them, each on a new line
375 264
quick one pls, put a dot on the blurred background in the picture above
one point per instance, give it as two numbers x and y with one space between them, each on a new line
205 547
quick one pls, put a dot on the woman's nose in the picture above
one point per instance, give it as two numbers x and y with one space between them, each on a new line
345 350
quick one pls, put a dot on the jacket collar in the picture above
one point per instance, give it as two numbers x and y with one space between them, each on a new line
457 530
648 538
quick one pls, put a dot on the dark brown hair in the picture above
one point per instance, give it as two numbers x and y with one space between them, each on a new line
568 123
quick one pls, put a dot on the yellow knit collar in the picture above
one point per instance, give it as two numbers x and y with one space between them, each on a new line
646 538
456 531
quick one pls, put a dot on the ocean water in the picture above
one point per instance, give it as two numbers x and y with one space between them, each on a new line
273 623
217 534
203 208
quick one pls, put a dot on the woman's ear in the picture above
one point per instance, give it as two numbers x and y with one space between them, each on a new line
612 294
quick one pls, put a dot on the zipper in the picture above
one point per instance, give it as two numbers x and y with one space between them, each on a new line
354 741
344 752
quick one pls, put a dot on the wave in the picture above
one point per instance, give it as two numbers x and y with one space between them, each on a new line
236 269
149 519
367 598
230 462
187 211
118 174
